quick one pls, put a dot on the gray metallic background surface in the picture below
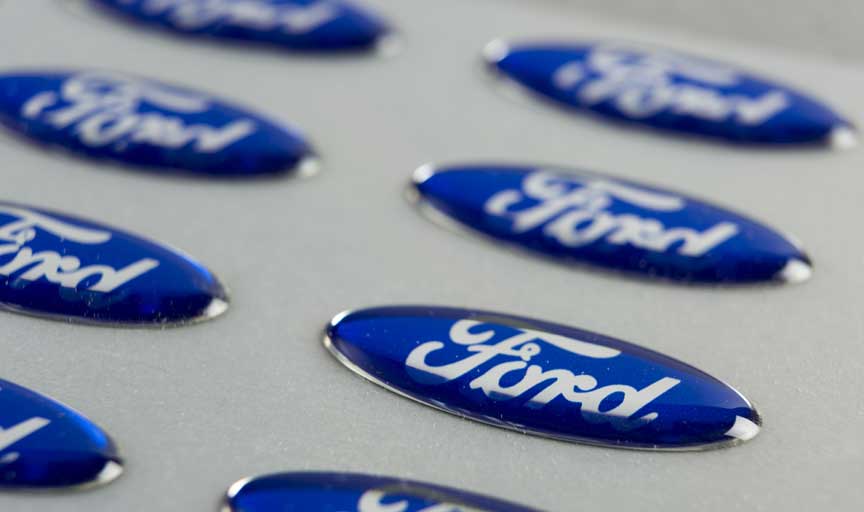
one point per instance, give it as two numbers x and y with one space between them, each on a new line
194 409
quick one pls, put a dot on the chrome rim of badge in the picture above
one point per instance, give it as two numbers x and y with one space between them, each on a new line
49 446
705 243
735 122
312 491
66 268
703 413
147 124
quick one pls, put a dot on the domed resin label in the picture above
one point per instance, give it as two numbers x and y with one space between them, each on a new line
578 217
310 25
542 378
44 444
146 123
67 268
349 492
669 90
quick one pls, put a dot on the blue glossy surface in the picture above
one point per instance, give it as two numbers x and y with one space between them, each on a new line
581 217
309 25
669 90
45 444
146 123
542 378
349 492
64 267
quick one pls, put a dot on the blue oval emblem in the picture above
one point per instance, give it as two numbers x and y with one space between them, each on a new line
351 492
146 123
63 267
541 378
669 90
311 25
581 217
45 444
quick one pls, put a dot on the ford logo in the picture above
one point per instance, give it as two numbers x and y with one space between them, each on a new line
63 267
351 492
541 378
586 218
669 90
44 444
308 25
147 123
